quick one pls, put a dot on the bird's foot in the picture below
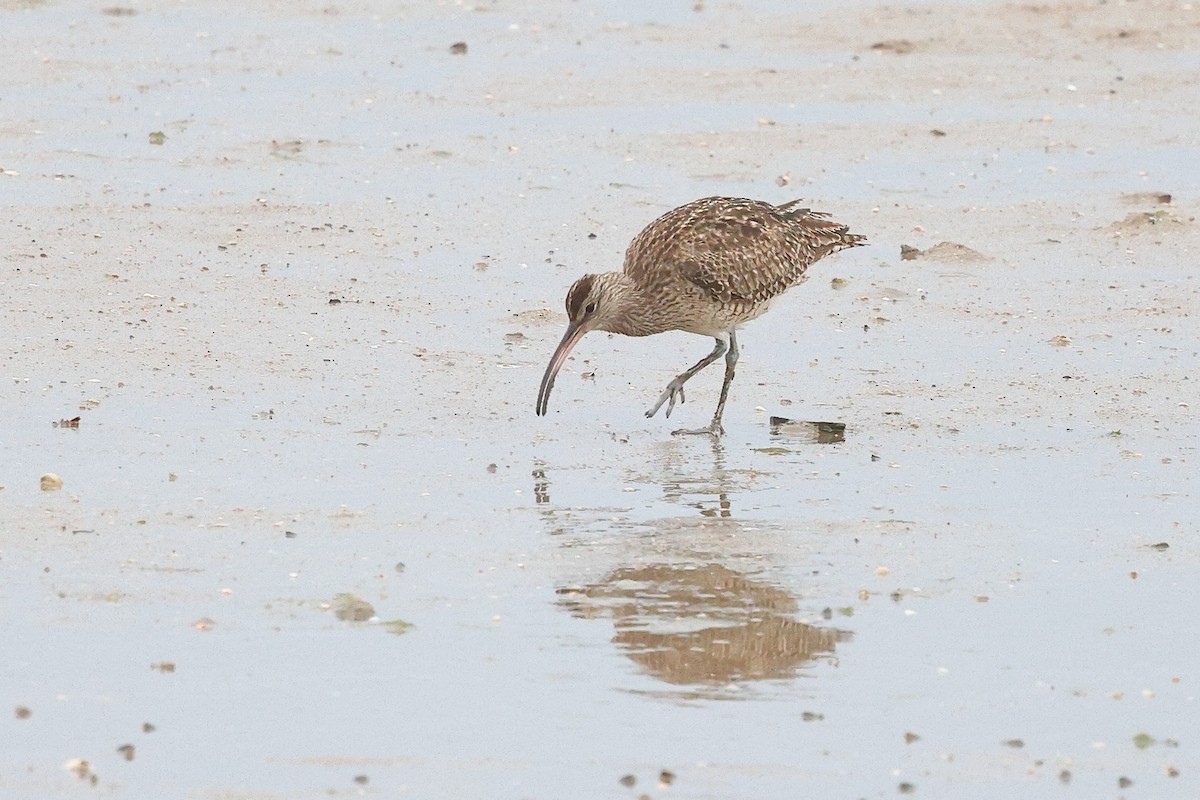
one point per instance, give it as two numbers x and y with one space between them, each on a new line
674 388
714 430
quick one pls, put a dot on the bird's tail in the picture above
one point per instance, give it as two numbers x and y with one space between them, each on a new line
818 227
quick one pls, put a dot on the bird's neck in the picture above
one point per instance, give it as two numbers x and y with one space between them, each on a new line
633 311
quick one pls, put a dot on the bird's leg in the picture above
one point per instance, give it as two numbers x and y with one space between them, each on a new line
714 428
731 359
675 387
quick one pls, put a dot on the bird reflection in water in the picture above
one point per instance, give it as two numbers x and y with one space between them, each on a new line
541 484
689 479
706 627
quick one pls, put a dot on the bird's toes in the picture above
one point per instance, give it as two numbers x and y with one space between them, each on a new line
677 392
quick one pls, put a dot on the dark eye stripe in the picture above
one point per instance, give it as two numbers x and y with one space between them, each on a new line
578 295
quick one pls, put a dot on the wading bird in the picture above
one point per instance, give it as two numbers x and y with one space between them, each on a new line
706 267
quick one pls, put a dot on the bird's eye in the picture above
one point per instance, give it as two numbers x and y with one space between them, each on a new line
590 308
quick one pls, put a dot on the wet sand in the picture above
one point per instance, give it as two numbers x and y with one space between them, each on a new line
298 269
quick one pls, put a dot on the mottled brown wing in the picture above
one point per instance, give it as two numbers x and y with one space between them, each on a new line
735 249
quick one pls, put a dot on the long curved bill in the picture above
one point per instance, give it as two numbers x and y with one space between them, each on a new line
570 339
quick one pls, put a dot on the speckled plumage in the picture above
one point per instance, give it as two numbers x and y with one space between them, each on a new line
706 268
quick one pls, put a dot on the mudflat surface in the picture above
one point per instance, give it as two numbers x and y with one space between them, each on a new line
297 269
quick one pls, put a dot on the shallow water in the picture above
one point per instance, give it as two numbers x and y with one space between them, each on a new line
968 596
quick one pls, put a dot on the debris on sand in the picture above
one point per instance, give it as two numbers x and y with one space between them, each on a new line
820 432
1141 221
898 46
349 608
1143 198
945 252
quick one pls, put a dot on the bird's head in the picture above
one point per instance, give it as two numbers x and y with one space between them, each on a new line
591 305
